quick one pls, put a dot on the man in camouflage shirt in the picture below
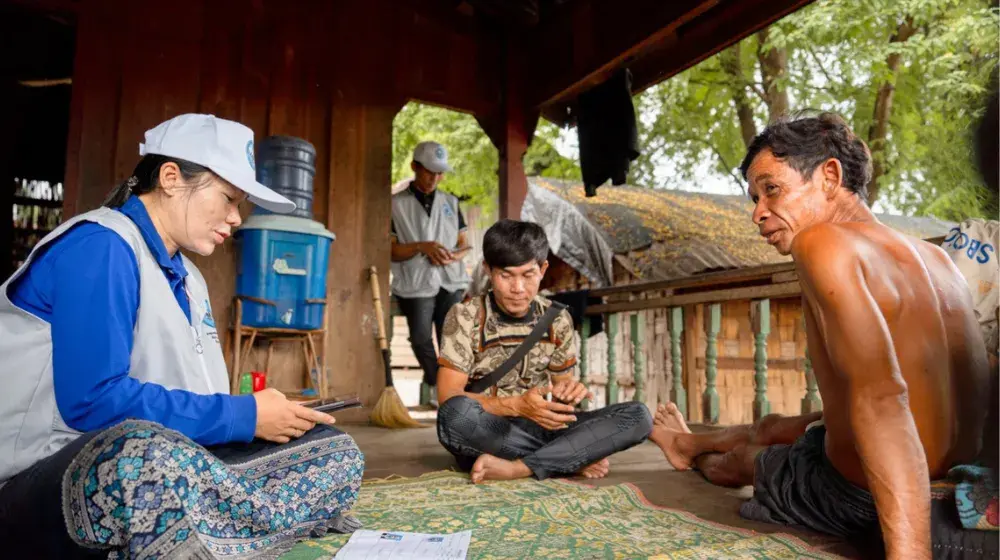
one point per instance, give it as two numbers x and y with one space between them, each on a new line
527 423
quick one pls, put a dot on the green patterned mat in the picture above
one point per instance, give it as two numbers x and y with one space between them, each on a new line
549 519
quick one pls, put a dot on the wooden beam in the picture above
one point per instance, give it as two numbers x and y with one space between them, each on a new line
591 40
773 291
736 276
656 40
726 24
747 364
790 276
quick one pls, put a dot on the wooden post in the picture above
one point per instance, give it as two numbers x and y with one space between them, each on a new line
678 395
639 356
512 134
710 399
811 402
584 360
612 358
760 320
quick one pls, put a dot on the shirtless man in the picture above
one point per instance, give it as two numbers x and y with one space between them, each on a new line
898 356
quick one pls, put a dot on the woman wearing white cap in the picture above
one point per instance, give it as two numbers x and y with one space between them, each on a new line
116 427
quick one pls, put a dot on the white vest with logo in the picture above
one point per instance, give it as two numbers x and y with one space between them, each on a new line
167 350
418 277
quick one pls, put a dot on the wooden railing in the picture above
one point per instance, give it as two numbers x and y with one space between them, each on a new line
669 300
630 305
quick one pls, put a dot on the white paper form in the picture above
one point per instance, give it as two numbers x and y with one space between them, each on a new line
389 545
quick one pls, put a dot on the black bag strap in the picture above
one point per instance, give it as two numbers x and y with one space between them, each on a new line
494 377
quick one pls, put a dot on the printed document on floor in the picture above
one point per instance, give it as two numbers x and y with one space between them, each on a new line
387 545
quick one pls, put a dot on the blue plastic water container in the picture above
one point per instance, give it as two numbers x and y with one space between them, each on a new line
283 259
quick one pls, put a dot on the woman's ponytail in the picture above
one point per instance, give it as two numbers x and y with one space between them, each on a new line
146 177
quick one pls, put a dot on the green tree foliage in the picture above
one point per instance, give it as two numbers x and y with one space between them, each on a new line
470 152
909 75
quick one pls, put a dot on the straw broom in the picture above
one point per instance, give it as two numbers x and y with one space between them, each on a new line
389 411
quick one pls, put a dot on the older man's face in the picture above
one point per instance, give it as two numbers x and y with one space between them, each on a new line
785 202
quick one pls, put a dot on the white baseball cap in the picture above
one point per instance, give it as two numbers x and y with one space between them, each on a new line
432 156
225 147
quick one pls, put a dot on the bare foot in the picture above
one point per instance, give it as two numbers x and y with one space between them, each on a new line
488 467
596 470
669 416
667 426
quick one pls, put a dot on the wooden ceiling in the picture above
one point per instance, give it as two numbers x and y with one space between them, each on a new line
565 47
562 48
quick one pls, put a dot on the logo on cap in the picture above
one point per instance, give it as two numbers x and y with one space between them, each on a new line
250 155
439 152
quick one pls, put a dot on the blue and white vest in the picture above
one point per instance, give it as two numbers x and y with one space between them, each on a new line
167 350
418 277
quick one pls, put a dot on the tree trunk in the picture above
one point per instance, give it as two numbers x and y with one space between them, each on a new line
883 109
773 67
731 64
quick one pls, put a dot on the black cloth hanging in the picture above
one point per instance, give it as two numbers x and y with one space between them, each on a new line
576 303
609 139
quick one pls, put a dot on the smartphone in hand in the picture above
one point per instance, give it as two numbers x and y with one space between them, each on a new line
336 403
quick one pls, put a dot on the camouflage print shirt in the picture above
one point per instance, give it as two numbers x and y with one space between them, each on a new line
478 337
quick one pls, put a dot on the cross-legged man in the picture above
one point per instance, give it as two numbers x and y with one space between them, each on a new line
895 346
513 429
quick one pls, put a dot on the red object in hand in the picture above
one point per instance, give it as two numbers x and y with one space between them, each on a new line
259 381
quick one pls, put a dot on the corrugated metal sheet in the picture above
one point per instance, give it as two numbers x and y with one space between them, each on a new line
669 234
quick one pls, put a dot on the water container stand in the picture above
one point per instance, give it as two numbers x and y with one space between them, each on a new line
241 349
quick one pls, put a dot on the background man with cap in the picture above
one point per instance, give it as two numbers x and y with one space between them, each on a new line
117 429
428 242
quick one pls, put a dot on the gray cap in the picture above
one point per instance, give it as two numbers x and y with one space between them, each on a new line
432 156
226 147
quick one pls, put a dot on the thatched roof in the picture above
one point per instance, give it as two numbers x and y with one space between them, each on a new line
669 233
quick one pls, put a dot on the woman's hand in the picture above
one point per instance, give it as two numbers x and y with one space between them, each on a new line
281 420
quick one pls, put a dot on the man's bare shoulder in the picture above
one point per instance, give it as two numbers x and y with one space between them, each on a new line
838 244
837 259
933 253
827 248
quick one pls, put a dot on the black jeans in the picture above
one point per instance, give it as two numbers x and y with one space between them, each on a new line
468 431
32 524
423 314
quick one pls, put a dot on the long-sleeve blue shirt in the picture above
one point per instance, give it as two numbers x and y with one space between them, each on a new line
85 284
